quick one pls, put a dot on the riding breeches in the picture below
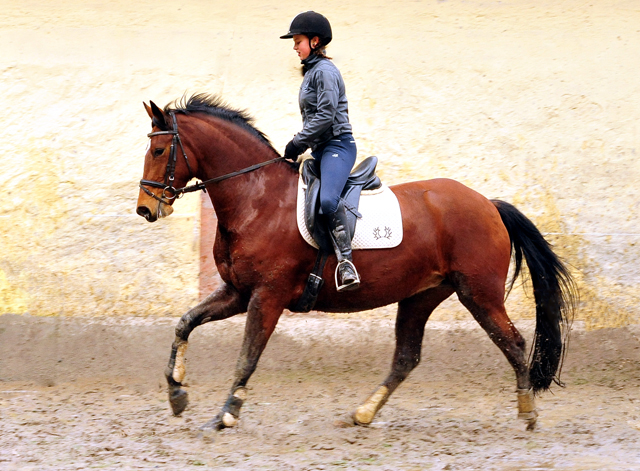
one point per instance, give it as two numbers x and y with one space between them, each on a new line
336 159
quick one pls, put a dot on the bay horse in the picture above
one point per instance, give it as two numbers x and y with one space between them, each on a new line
455 241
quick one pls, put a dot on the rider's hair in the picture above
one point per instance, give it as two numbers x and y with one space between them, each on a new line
321 49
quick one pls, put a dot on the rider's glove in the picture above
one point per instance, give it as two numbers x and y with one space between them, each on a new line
292 151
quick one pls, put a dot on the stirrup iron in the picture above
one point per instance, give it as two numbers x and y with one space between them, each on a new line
349 286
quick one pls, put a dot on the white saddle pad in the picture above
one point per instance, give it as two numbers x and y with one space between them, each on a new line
380 226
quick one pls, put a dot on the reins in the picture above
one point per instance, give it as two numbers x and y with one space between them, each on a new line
169 192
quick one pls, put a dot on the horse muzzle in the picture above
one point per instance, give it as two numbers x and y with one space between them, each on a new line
151 214
146 213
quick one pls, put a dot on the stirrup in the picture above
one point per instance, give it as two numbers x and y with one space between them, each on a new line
349 286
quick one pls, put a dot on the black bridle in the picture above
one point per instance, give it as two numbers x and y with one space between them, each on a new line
169 192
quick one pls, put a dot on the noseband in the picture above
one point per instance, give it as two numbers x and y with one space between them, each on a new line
169 192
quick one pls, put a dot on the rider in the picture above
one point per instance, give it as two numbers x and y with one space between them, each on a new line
326 130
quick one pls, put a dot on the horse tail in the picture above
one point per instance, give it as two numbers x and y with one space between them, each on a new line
554 291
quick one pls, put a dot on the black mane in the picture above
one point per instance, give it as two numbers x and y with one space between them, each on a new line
215 106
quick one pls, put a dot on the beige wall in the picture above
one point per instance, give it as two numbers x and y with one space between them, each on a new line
533 101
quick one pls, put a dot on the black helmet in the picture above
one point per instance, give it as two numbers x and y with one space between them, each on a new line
311 24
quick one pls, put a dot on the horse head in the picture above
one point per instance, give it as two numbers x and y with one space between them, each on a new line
164 172
220 144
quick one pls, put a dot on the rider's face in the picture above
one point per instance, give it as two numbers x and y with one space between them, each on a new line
302 45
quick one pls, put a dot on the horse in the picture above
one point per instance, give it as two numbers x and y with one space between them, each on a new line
455 241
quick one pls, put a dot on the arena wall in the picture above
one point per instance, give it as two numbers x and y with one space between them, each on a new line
536 102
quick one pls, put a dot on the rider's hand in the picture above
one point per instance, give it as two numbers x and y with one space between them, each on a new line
292 151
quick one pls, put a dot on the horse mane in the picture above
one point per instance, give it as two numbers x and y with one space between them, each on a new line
214 105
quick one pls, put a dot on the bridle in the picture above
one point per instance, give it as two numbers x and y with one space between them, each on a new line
169 192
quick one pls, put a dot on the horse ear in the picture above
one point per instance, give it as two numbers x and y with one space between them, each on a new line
148 108
160 119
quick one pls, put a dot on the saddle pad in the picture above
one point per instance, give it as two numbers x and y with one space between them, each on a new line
380 226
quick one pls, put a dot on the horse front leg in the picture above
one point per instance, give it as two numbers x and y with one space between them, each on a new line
262 316
223 303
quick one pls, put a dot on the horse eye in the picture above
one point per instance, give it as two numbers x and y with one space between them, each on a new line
158 151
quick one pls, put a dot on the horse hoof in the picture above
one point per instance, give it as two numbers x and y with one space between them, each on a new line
530 418
179 399
229 420
362 417
214 425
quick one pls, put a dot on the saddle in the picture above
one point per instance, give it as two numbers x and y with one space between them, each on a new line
363 177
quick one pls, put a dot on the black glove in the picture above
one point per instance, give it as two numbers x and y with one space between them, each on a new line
292 151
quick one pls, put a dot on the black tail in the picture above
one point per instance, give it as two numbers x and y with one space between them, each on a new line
554 292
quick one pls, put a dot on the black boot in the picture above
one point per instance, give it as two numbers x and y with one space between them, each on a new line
346 275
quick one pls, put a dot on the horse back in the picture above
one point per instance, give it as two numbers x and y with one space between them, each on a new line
465 226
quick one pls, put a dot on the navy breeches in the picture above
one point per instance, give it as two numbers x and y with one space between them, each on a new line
336 159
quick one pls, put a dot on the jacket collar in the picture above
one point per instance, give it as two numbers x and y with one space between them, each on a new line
310 62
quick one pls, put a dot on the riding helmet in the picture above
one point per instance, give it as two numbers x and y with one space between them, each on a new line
310 24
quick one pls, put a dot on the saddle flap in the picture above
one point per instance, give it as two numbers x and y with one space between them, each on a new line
362 177
309 171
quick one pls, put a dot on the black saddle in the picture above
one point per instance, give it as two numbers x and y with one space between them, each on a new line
363 177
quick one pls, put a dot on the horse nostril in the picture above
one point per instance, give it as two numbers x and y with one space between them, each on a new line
144 212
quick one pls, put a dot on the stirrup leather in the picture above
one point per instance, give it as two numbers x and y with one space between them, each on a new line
353 284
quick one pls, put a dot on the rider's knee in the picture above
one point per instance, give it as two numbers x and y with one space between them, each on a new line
329 205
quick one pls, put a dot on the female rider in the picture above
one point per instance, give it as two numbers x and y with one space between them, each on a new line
326 130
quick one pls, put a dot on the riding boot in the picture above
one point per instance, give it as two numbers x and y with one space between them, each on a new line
346 275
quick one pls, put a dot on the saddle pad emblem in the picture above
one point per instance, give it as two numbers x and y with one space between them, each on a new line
380 226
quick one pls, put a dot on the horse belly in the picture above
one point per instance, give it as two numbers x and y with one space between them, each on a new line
387 276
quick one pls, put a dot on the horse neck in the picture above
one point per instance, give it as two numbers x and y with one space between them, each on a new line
225 148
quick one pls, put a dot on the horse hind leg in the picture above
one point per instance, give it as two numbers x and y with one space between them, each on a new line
413 314
486 304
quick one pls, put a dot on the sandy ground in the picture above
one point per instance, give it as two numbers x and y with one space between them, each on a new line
84 394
